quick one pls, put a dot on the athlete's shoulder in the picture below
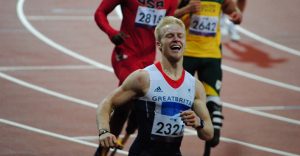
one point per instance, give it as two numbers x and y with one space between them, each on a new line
140 75
199 87
137 81
188 74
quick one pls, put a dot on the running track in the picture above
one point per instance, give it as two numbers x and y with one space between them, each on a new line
55 68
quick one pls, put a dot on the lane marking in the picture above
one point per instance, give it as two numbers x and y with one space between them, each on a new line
268 42
63 67
119 12
271 108
256 147
95 138
47 91
52 134
260 78
88 138
66 138
262 114
66 18
44 132
60 48
59 18
71 11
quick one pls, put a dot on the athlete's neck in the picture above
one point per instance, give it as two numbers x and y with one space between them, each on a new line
173 70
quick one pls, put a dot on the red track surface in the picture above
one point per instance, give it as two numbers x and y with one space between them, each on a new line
21 104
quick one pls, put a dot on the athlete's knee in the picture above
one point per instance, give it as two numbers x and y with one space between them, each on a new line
214 106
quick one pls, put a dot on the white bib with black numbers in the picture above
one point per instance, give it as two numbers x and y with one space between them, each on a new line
204 25
149 16
165 125
169 102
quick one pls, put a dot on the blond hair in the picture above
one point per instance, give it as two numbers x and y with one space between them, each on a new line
165 21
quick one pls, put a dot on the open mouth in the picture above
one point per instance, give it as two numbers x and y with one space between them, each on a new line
175 47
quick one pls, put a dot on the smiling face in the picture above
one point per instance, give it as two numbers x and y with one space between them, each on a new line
172 41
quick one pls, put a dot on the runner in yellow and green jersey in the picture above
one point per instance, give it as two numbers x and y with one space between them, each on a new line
203 50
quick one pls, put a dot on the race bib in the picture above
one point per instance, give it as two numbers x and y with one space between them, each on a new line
149 16
171 126
204 25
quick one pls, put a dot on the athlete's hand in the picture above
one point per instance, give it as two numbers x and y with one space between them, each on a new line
107 140
193 6
190 118
236 17
119 38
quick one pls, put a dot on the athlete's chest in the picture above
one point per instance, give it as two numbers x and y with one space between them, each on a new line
159 4
146 13
154 4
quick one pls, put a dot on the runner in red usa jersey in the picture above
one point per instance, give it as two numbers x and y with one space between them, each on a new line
135 47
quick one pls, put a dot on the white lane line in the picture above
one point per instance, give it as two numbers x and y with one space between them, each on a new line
259 113
271 108
66 51
257 147
66 18
95 138
48 133
268 42
47 91
119 11
53 44
260 78
87 138
51 134
59 18
72 11
63 67
253 146
66 138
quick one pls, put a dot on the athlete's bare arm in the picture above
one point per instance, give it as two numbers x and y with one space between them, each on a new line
230 8
192 7
192 117
100 16
134 86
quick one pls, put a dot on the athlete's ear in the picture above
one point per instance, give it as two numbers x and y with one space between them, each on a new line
158 44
